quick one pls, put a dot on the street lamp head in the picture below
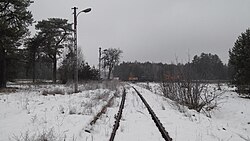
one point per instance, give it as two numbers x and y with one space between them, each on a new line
86 10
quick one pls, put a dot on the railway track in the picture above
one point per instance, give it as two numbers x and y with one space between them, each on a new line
118 116
157 122
159 125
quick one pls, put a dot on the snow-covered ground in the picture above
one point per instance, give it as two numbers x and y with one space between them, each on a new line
27 113
229 121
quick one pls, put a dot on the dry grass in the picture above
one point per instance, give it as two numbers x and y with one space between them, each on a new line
8 90
48 135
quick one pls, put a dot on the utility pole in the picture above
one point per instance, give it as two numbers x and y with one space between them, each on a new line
75 46
100 54
75 50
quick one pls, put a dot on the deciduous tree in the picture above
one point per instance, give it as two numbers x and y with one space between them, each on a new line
111 57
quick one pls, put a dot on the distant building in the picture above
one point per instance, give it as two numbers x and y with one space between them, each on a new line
131 78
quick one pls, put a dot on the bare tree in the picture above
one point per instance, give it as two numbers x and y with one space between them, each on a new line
111 57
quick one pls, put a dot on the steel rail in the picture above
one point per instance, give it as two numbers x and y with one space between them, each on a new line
164 133
118 116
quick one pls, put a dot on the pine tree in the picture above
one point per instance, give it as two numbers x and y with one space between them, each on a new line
14 20
32 50
55 32
207 67
239 59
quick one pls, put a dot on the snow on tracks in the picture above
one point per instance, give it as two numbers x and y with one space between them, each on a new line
143 125
164 133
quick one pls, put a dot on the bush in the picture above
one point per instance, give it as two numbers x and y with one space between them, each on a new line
194 95
243 90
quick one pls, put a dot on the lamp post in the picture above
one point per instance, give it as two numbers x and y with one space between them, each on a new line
75 46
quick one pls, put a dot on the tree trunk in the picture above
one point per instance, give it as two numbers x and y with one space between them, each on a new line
110 69
33 69
54 68
2 68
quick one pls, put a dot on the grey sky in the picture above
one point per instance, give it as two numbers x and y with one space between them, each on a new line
153 30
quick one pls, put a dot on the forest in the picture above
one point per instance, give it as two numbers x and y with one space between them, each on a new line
202 67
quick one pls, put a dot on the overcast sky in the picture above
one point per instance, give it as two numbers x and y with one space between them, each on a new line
153 30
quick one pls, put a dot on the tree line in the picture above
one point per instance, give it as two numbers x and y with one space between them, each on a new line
202 67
